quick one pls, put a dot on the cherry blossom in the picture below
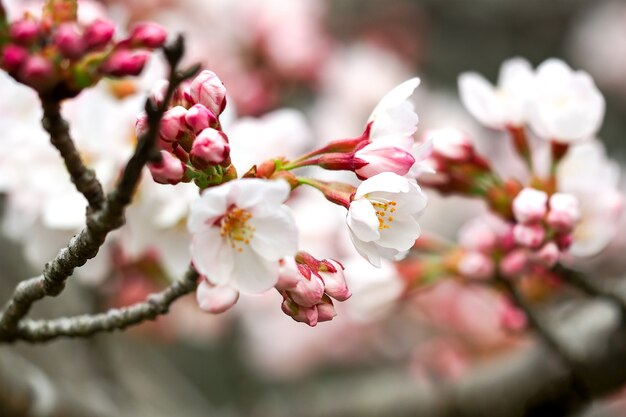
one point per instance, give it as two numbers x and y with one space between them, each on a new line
240 231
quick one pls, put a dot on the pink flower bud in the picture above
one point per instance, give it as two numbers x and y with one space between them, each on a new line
216 299
564 212
475 265
450 143
548 255
307 292
325 310
98 33
148 35
564 241
124 62
529 235
173 124
514 263
69 40
169 171
477 235
512 318
199 118
24 31
209 90
13 57
380 158
38 72
334 280
530 205
209 147
308 315
288 275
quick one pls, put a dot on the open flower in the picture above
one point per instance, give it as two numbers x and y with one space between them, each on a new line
566 106
502 106
240 231
382 216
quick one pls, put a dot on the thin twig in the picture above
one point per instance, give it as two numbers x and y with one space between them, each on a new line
83 178
114 319
86 244
548 338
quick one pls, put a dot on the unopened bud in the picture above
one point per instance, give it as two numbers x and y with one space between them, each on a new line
450 144
530 205
38 72
335 285
199 118
209 90
24 31
529 235
308 315
564 212
288 275
476 265
307 292
125 62
69 40
325 310
13 57
98 33
514 263
169 171
548 255
209 147
216 299
173 124
383 158
512 318
148 35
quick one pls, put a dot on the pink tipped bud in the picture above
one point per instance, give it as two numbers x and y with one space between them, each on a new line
564 212
548 255
169 171
124 62
514 263
158 91
308 315
512 318
449 143
288 275
98 33
325 310
477 235
383 158
216 299
141 124
210 147
209 90
529 235
475 265
564 241
148 35
37 72
530 205
69 40
199 118
334 280
307 292
24 31
13 57
173 124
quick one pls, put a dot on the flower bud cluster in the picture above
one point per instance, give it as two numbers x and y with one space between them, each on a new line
307 286
193 145
58 56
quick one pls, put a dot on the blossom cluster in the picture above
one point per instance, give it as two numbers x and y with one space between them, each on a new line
58 55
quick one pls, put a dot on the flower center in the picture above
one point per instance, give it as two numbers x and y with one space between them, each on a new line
235 227
384 213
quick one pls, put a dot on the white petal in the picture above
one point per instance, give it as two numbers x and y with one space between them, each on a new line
386 181
479 98
209 207
275 236
215 299
362 220
368 250
253 274
396 97
212 256
261 196
401 235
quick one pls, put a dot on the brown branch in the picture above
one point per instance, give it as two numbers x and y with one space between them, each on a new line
86 244
114 319
83 178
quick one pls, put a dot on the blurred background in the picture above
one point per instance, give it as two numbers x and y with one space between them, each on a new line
328 63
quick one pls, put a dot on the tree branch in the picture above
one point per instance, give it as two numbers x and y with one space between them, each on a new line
86 244
83 178
114 319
